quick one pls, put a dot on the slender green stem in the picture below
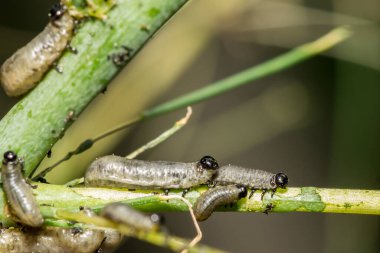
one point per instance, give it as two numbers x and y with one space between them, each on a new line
267 68
162 137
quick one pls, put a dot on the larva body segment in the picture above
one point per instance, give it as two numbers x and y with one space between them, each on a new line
252 178
116 171
220 195
19 194
26 66
124 214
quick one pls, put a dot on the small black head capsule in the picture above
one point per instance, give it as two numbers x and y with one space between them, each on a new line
56 11
208 162
243 191
9 156
281 180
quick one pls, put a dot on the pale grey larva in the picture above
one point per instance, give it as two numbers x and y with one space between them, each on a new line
251 178
26 66
116 171
220 195
19 195
124 214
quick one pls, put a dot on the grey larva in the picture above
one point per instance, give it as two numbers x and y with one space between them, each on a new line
26 66
122 213
252 178
80 240
220 195
18 193
50 239
116 171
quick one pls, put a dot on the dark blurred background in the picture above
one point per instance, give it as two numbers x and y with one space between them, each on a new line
318 122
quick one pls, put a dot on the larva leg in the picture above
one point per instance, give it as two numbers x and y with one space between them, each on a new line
185 191
273 192
269 207
57 68
262 194
166 192
31 186
252 192
72 49
211 184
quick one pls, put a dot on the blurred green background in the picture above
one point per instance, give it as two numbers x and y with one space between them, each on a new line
319 122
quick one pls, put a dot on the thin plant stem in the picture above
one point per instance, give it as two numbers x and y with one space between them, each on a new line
162 137
267 68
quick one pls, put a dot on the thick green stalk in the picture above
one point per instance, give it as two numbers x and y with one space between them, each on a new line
35 123
306 199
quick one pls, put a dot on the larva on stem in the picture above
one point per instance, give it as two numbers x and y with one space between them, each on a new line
116 171
251 178
221 195
22 71
18 193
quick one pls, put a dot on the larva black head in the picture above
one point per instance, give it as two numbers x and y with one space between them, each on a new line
281 180
242 191
9 156
157 219
56 11
209 163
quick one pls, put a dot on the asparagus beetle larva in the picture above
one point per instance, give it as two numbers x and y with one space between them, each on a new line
18 193
26 66
220 195
251 178
116 171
